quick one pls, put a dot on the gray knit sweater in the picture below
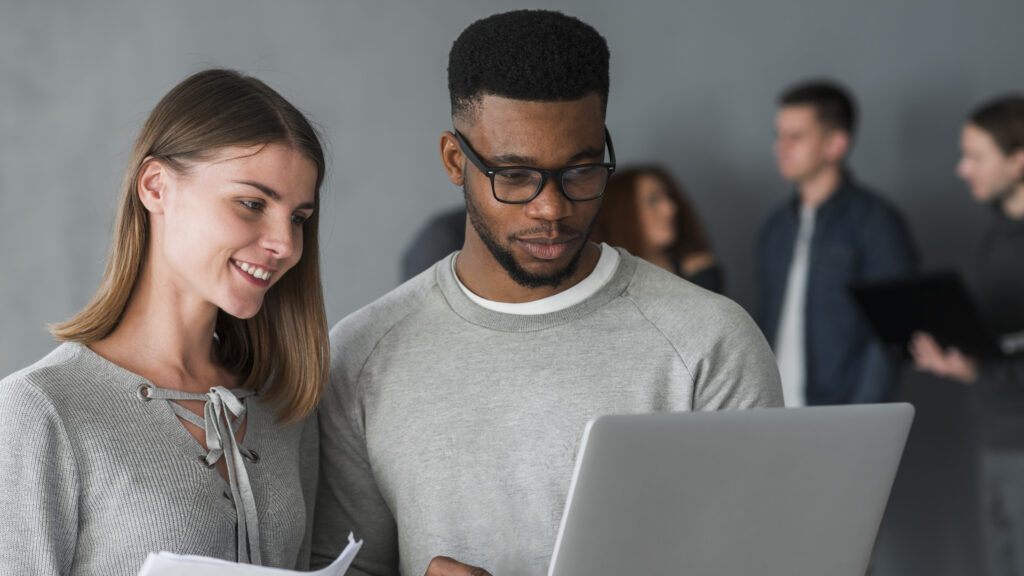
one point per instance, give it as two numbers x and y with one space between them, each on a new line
93 477
451 429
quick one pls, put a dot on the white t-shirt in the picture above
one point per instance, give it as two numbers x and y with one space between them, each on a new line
790 340
603 271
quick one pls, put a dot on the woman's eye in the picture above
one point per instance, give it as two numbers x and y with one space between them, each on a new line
299 219
251 204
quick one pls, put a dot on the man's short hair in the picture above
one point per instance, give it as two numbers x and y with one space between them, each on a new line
1003 119
831 102
534 55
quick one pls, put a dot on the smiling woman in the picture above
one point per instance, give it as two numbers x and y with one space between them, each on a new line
206 341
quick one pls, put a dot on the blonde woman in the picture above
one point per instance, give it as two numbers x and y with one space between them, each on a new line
172 416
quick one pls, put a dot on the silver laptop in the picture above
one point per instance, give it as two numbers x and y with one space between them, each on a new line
772 492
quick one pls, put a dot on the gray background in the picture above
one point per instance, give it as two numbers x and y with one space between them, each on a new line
693 87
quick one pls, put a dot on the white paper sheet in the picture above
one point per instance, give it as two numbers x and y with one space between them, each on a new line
167 564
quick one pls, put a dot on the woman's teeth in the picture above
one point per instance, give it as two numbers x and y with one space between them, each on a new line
254 271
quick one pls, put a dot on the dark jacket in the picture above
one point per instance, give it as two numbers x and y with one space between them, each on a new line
858 237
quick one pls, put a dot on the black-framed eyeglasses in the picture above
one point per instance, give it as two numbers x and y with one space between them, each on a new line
521 184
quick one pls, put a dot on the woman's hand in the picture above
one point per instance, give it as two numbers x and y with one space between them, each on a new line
949 363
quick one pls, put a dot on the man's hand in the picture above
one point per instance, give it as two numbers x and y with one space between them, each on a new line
445 566
949 363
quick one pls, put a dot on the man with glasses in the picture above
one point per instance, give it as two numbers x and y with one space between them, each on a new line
458 400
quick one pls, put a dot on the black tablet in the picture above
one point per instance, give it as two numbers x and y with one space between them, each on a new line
937 303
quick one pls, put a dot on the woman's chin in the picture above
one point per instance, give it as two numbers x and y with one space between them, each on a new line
242 310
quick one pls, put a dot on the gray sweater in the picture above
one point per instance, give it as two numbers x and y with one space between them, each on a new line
450 429
92 477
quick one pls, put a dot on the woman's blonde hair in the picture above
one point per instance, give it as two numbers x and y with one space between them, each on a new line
286 342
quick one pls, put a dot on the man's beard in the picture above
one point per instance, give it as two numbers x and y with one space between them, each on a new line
504 255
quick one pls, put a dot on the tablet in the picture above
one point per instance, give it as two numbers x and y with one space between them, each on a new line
937 303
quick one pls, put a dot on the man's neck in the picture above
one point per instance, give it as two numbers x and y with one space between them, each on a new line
1013 204
484 276
818 188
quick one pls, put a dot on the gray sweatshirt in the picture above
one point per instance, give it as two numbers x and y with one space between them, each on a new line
451 429
93 477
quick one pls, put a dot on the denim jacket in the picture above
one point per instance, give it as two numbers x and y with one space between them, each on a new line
858 237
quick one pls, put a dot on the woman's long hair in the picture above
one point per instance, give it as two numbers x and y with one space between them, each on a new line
286 342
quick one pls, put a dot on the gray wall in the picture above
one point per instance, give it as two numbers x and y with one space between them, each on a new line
693 86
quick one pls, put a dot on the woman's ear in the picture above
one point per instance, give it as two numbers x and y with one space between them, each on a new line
452 158
154 181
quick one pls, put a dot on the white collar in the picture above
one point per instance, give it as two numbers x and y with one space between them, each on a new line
603 272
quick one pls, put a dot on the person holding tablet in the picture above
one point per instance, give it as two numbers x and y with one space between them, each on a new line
173 415
992 164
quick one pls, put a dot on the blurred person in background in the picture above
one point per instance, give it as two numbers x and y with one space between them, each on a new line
646 212
992 164
832 232
439 237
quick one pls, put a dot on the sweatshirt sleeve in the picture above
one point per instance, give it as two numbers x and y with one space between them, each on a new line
729 363
736 369
348 499
38 484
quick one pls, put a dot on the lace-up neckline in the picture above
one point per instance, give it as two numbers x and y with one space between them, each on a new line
220 406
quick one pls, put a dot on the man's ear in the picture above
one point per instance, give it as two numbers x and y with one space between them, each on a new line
837 145
452 158
153 185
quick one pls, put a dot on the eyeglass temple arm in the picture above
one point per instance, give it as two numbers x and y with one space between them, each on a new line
611 148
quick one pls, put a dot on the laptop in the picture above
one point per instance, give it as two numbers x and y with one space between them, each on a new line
772 492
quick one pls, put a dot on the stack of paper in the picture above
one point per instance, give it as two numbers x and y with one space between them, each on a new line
167 564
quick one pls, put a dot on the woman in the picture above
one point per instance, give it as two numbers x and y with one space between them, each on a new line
171 416
992 164
645 212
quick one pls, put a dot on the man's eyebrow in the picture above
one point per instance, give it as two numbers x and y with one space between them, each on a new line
272 194
517 160
512 159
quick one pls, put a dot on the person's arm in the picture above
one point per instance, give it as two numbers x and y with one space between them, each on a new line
348 499
952 364
737 370
887 252
38 485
